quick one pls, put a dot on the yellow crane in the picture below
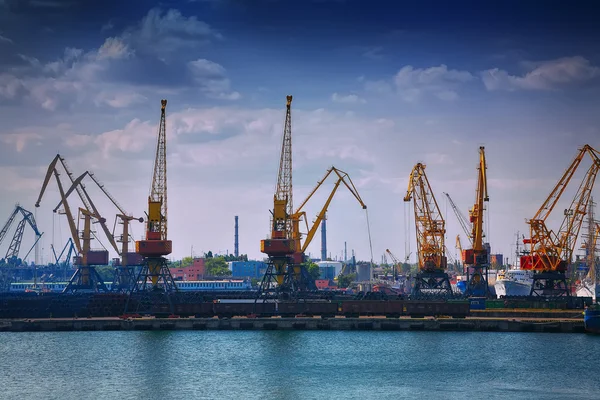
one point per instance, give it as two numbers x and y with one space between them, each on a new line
550 252
299 214
432 278
155 275
85 278
476 258
286 272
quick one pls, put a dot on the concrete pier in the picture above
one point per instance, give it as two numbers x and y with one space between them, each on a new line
376 324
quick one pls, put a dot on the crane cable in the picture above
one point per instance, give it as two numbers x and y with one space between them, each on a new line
370 242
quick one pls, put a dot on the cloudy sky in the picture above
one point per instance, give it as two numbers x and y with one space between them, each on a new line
376 89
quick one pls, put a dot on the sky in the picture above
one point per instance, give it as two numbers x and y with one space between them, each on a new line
377 87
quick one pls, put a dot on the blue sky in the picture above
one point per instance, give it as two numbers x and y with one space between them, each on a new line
376 89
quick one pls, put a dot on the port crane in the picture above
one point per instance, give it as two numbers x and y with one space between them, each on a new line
550 252
462 220
124 274
154 277
286 274
298 256
476 258
11 258
70 250
432 278
85 277
280 275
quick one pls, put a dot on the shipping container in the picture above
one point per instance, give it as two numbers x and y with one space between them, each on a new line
97 257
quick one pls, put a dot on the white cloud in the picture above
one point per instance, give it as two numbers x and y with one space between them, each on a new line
119 99
374 53
9 86
379 87
211 77
20 140
545 75
165 33
5 39
79 77
347 99
113 48
412 83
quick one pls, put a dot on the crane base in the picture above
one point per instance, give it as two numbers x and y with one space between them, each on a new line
478 283
123 279
85 279
294 285
148 297
432 285
550 284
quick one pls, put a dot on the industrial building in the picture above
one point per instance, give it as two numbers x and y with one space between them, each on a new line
194 272
247 269
329 269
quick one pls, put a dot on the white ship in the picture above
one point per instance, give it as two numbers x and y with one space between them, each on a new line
588 288
514 282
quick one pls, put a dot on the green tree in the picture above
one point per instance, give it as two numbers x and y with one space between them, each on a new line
345 280
313 270
186 262
217 266
106 272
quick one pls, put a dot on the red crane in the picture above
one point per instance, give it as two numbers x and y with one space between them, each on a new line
550 252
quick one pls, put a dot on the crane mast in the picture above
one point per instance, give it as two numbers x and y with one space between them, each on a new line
550 251
281 246
476 258
154 278
432 279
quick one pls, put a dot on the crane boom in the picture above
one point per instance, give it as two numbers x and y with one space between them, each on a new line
432 278
462 220
549 249
344 178
429 222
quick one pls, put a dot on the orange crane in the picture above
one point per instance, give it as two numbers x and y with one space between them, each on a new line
432 278
154 275
476 258
550 252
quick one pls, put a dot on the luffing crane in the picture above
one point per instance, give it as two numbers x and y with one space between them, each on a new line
397 264
476 258
12 254
550 252
432 278
85 277
463 221
124 274
286 272
154 275
342 177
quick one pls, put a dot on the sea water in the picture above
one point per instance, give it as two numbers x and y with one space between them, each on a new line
298 365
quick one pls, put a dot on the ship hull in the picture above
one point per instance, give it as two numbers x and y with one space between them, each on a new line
512 288
591 320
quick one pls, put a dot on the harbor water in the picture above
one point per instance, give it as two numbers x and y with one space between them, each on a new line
298 365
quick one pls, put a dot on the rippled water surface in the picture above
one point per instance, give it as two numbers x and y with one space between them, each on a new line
298 365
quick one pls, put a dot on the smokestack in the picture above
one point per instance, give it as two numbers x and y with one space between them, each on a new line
324 238
345 252
236 243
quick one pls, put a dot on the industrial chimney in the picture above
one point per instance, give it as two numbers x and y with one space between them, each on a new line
236 243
